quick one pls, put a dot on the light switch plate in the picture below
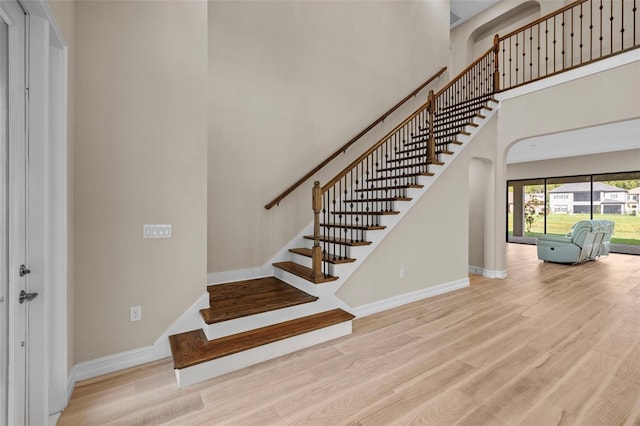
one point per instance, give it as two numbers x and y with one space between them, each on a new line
156 231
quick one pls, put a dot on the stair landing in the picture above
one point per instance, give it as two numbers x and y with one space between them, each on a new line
243 298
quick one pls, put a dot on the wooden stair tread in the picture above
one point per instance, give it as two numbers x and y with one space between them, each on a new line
386 188
404 176
192 348
341 241
352 226
377 200
413 157
483 99
408 166
243 298
303 272
306 252
370 213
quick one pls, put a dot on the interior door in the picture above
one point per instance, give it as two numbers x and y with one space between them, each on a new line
13 213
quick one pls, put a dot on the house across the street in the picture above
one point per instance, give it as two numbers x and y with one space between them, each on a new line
576 198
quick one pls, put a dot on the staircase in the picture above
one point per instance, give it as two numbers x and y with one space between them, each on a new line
251 321
248 322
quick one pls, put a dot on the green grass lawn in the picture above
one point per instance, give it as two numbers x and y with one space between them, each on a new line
627 229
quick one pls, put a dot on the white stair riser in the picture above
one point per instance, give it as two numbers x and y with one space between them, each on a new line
217 367
294 280
239 325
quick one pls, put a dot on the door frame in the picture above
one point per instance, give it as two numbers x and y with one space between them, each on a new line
16 213
49 379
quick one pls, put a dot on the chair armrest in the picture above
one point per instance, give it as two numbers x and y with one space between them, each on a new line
554 238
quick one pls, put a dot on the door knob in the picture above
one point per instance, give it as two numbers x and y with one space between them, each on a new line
24 271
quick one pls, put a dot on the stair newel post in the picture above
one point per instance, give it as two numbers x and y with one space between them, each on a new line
316 253
431 142
496 71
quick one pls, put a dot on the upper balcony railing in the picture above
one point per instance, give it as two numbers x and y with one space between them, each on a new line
577 34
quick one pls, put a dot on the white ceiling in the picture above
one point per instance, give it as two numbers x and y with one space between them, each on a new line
593 140
466 9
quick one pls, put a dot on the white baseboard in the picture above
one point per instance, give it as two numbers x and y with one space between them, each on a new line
109 364
476 270
53 418
488 273
403 299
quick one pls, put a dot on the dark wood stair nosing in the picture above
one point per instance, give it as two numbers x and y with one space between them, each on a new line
193 348
377 200
405 176
390 188
306 252
352 226
303 272
339 241
371 213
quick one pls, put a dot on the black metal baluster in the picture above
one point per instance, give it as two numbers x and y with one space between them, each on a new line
590 30
325 242
510 63
601 8
538 60
546 47
581 25
622 25
562 52
572 39
336 219
611 28
634 21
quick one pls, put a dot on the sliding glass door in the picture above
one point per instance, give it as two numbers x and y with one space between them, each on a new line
552 205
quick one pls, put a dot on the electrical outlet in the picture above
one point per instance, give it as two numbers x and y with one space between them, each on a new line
403 273
135 313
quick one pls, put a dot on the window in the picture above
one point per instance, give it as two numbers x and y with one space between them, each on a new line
583 196
552 205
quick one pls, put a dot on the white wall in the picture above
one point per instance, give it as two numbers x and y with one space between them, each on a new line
479 186
432 241
289 83
475 36
140 157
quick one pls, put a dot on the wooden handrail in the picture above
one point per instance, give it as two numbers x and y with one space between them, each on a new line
365 154
542 19
353 140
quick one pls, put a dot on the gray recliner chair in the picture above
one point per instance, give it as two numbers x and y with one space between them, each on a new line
588 240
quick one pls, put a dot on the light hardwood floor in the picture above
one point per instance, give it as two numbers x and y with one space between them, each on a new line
551 344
